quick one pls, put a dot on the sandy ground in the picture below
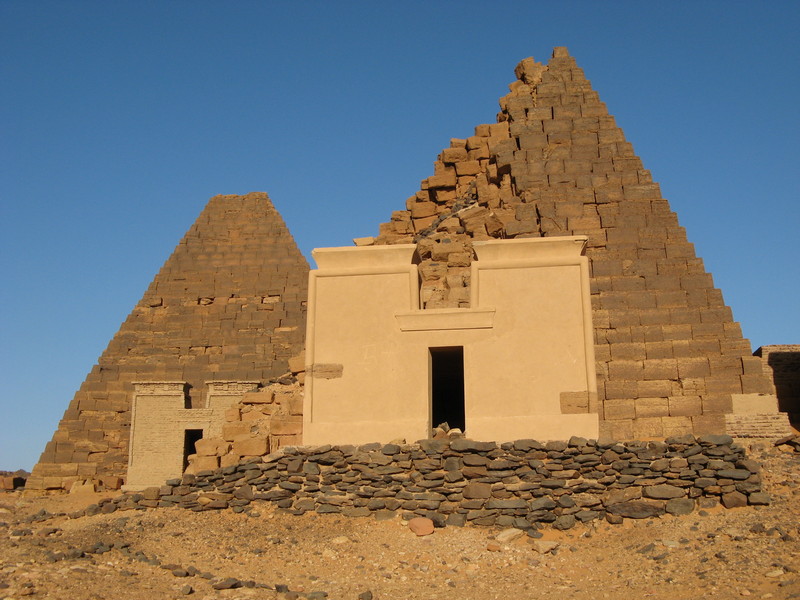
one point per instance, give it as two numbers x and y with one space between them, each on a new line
173 553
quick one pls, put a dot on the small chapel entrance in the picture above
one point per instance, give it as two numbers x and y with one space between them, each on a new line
447 386
190 437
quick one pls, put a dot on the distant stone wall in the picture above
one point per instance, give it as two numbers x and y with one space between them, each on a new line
524 484
781 365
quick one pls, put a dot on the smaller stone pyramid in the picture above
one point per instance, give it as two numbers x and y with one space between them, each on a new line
229 304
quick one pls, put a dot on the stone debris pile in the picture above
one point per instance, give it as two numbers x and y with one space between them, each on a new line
523 484
10 481
791 442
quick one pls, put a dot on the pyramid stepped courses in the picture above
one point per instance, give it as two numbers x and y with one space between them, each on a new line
229 304
669 354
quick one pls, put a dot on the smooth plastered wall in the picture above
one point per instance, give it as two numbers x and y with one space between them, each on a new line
526 339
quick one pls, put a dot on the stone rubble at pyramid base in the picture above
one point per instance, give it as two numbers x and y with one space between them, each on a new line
525 484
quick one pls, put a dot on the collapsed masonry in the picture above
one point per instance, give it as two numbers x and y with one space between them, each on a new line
200 369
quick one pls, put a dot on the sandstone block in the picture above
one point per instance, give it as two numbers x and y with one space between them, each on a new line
231 431
657 388
619 409
755 384
685 406
717 404
253 415
286 425
445 180
627 370
202 463
648 427
298 363
423 209
453 155
423 223
621 429
664 368
211 447
468 167
651 407
459 259
693 367
441 251
250 447
229 460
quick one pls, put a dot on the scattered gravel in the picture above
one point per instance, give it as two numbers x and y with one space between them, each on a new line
167 553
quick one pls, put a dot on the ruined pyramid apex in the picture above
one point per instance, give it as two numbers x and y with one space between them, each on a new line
561 52
249 195
529 71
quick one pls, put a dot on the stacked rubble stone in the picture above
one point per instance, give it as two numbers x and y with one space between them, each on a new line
262 422
229 304
669 355
524 484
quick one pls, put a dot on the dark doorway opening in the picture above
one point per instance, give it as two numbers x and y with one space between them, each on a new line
190 436
447 386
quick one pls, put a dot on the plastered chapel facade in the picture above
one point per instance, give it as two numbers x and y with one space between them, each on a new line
537 285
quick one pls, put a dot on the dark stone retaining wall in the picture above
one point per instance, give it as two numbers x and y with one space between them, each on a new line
523 484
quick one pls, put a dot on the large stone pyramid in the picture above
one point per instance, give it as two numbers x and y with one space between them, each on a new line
228 305
670 358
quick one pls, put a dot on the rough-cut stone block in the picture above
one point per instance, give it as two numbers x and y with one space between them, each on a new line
664 368
468 167
202 463
211 447
619 409
286 425
231 431
648 427
631 370
755 384
676 426
250 447
444 180
651 407
657 388
263 396
685 406
717 404
452 155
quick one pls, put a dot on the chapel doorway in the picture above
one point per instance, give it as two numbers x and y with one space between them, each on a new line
447 386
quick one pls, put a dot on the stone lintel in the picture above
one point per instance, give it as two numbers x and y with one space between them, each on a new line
445 319
160 388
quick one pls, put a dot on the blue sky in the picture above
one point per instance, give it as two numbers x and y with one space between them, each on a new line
119 120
